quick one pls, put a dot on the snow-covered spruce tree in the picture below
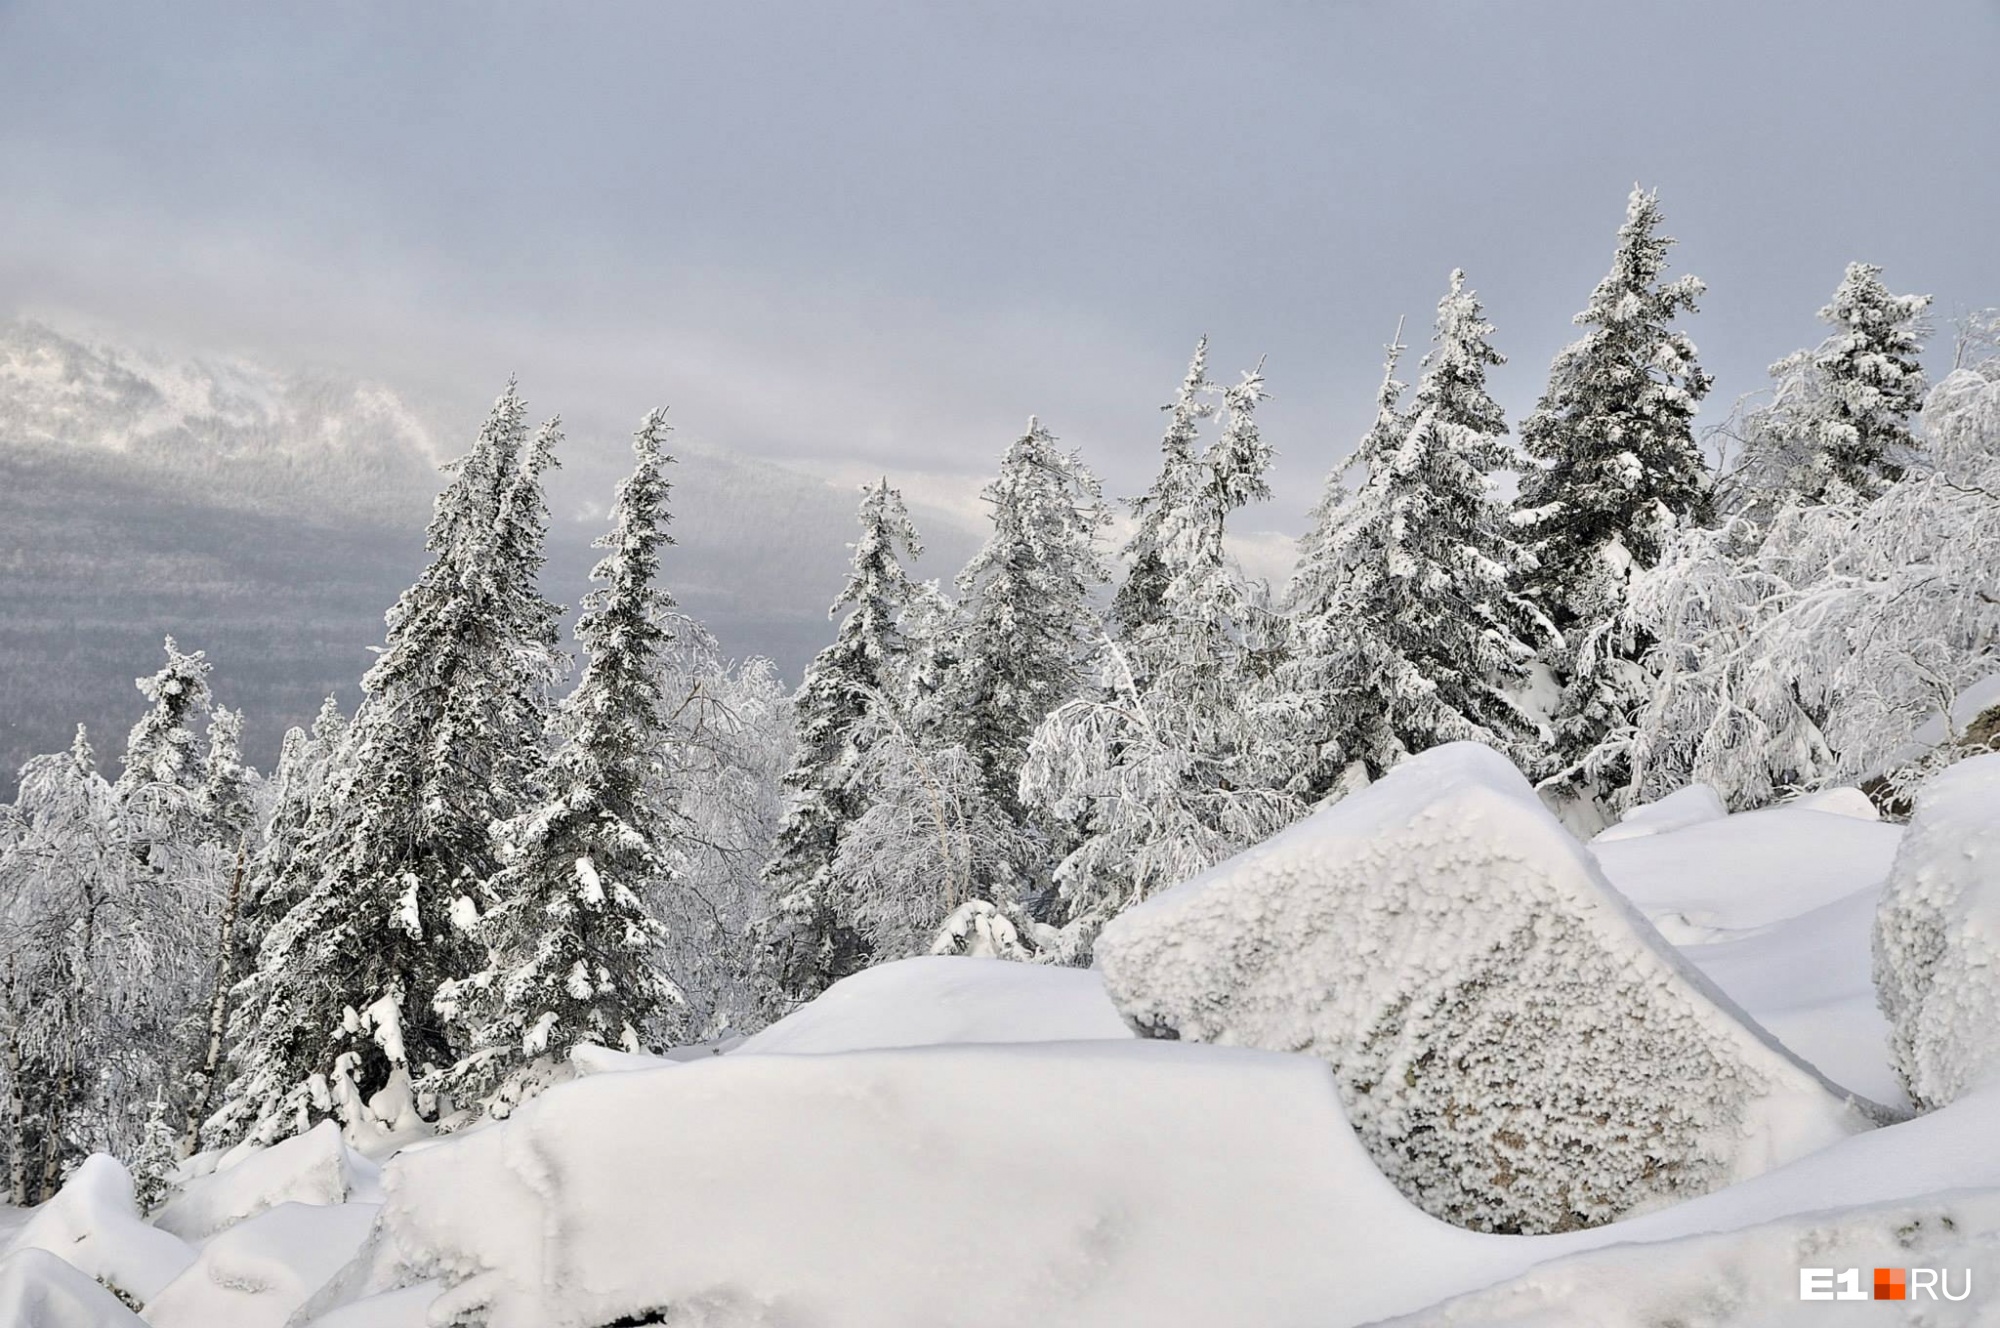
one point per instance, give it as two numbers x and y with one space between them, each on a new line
229 786
443 745
1313 678
1839 418
1141 595
162 749
1026 602
1406 632
574 949
284 866
1812 650
809 940
718 783
1162 763
1617 470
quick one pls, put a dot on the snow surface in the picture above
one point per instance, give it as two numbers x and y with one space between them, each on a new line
1937 936
1808 981
1689 806
1750 1277
936 999
1516 1046
1709 881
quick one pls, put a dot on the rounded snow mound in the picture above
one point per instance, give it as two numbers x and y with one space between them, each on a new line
1086 1184
1937 937
1515 1044
929 1000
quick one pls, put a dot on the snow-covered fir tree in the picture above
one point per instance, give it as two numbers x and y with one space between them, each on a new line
1313 678
1616 470
1027 602
574 949
810 940
443 745
1839 420
1141 594
285 863
1162 765
229 786
932 837
1406 632
163 749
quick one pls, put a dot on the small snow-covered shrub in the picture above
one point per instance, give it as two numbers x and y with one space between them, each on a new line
1517 1047
1937 937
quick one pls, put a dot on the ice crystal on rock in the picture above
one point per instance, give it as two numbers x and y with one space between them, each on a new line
1517 1047
1937 937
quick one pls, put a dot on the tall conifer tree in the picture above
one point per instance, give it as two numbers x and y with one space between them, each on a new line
440 749
810 940
1616 470
574 949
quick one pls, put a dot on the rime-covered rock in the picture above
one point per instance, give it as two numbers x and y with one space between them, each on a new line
39 1289
1516 1046
257 1274
94 1226
316 1167
1937 937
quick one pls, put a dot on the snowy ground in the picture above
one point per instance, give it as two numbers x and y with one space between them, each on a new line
971 1142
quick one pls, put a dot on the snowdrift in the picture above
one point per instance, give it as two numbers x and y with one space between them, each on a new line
925 1001
1749 1277
1102 1184
1517 1047
1717 879
1937 937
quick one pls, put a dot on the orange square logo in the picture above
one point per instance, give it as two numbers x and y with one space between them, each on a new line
1891 1284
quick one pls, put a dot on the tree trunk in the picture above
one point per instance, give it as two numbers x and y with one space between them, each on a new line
218 1010
17 1159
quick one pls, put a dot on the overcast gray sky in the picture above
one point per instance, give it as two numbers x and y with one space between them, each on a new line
880 235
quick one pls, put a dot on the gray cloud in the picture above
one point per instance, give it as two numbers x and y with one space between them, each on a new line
880 235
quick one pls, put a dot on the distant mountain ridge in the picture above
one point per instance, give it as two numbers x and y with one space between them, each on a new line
270 518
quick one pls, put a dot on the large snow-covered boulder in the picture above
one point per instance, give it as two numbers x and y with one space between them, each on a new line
1517 1047
1109 1184
316 1167
93 1224
1937 937
38 1290
256 1274
935 999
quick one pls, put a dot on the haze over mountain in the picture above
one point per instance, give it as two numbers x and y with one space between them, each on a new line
269 517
